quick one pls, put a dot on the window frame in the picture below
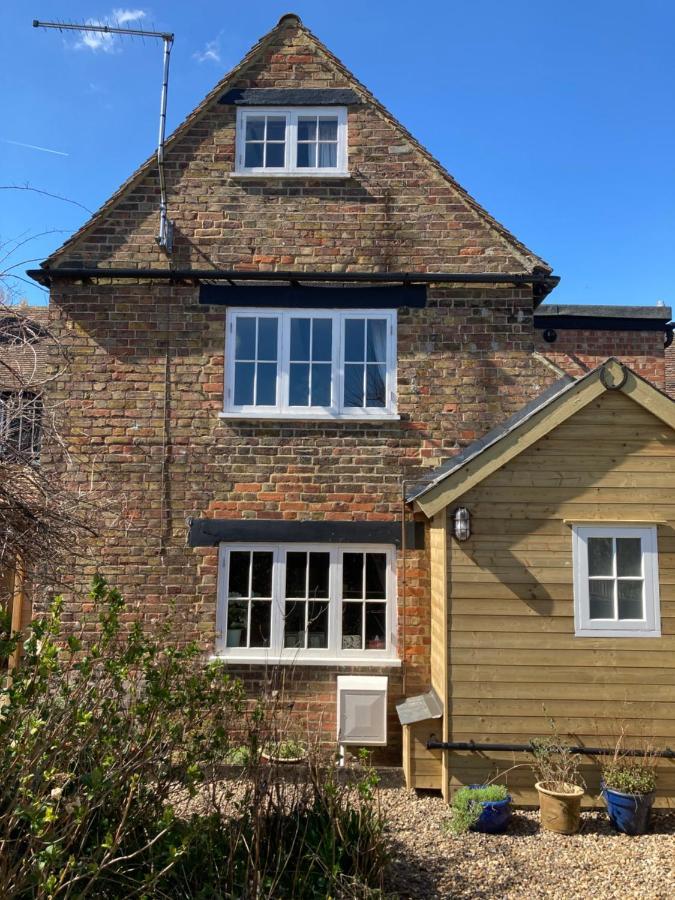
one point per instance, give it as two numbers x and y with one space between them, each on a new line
291 114
282 408
333 653
21 426
584 626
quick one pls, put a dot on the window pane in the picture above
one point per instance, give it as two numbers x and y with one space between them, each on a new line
629 556
274 156
296 574
267 338
600 556
300 339
352 626
376 576
328 129
352 576
237 620
319 565
630 600
238 576
244 344
255 128
307 128
321 385
266 385
298 389
294 625
601 599
261 580
376 386
260 623
376 341
306 156
322 340
327 156
243 384
376 626
317 625
353 385
354 340
253 158
276 128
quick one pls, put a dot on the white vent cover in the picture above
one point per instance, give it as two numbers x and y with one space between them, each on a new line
362 709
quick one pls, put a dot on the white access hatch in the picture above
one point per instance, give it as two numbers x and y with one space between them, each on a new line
362 709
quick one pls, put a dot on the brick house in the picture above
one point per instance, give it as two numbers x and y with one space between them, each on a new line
337 317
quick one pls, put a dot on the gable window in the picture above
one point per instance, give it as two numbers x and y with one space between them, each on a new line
321 602
616 581
302 141
311 363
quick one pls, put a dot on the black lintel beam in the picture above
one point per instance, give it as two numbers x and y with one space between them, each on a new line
299 297
211 532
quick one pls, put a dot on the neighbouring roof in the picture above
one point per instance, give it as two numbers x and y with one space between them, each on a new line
24 348
527 258
603 318
562 400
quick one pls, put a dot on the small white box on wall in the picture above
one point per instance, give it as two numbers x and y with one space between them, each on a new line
362 709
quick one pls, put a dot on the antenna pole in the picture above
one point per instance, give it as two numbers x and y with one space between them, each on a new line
165 236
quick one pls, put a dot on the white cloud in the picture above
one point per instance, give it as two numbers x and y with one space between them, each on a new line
210 53
109 43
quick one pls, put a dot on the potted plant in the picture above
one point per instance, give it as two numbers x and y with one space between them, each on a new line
559 785
628 789
286 752
480 807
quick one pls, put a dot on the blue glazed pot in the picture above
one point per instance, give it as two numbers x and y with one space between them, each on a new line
628 812
495 816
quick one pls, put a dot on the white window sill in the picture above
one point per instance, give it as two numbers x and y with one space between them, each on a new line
338 176
309 417
356 661
615 633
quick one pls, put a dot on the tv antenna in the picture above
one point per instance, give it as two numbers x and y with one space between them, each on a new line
165 236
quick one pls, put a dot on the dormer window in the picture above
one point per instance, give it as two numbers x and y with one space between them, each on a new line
302 141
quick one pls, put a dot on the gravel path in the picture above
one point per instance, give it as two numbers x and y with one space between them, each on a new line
526 862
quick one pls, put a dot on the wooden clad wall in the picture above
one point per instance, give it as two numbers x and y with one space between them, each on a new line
514 659
438 554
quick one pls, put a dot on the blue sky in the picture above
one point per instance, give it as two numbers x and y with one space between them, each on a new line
557 117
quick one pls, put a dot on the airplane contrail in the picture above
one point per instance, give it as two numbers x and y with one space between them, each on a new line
34 147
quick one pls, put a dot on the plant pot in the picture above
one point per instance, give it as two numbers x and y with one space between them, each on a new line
560 810
628 813
495 816
234 637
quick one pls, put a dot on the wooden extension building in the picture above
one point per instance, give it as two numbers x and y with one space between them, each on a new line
560 603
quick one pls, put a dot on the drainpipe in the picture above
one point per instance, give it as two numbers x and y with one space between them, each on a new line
668 753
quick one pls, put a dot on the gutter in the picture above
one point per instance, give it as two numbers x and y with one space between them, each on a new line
542 281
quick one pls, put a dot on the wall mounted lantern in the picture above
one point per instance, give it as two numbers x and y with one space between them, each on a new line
462 524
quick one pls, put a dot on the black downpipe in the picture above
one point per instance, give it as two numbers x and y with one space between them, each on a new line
530 748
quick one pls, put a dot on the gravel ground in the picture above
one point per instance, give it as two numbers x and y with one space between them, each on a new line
526 862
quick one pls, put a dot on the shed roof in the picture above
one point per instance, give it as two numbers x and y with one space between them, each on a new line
534 421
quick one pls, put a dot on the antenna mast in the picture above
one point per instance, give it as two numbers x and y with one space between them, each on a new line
165 236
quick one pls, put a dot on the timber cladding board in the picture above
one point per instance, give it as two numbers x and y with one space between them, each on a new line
515 662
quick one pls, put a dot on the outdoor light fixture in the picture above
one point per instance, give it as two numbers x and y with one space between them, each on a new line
462 524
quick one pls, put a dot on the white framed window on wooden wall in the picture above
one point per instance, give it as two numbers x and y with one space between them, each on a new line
319 603
299 141
616 581
310 364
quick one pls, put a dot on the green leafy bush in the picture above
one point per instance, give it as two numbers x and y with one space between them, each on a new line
110 754
467 805
630 776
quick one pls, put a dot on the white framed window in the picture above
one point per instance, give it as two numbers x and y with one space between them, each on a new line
616 581
310 363
299 602
296 141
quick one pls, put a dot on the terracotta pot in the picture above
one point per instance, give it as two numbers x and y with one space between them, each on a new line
560 811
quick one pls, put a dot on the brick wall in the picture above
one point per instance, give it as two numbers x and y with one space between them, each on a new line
577 351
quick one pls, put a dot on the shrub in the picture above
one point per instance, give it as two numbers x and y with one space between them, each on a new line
629 776
109 754
555 765
467 805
